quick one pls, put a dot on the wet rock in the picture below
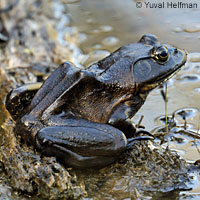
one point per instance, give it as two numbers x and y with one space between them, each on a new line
106 28
94 56
189 77
186 113
194 57
191 28
110 41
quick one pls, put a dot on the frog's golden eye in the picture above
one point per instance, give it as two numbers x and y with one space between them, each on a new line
161 54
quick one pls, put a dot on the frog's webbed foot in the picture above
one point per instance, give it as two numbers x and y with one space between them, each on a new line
140 135
81 143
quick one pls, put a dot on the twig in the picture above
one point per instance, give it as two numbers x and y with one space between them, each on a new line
197 134
166 119
140 121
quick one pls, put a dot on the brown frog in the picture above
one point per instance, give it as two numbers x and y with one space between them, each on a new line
82 117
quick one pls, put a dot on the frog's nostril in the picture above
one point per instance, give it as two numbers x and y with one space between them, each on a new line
175 50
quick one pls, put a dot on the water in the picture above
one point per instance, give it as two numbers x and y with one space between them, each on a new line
177 26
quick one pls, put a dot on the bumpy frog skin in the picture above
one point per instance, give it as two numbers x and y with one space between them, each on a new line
82 117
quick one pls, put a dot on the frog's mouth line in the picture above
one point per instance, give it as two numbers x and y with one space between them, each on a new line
150 86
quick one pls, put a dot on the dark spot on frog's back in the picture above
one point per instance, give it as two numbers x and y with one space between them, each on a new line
83 116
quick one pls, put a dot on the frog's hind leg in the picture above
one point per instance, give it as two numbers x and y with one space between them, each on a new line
18 99
81 143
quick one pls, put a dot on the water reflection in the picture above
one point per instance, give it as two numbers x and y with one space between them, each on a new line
128 22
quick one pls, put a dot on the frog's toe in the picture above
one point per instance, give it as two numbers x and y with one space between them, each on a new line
143 132
143 135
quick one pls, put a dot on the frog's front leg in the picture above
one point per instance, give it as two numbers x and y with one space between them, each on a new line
120 119
81 143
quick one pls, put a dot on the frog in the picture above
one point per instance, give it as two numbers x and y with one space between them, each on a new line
83 116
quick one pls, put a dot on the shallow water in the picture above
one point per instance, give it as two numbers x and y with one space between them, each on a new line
126 23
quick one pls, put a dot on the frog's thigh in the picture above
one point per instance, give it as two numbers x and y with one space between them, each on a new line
82 143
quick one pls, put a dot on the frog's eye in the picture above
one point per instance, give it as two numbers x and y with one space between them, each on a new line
161 54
